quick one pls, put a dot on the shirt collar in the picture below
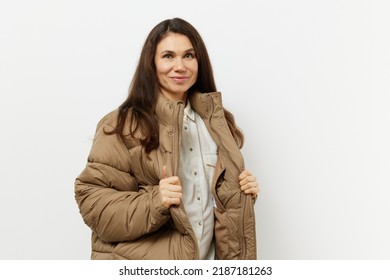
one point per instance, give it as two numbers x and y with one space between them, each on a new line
189 112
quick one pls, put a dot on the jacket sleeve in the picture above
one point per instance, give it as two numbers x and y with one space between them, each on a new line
109 198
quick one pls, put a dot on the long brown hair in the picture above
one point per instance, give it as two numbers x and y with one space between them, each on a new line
144 88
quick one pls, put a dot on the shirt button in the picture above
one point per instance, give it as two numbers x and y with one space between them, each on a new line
185 127
198 198
191 149
200 223
195 173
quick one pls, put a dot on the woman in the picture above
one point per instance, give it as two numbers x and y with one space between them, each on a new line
165 178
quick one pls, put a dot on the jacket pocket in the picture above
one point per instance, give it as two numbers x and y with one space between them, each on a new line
218 184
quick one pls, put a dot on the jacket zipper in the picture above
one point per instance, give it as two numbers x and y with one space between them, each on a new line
178 124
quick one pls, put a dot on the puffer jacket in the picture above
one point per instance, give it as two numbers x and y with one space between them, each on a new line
118 195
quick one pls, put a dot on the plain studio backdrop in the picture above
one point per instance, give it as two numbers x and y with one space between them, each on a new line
308 83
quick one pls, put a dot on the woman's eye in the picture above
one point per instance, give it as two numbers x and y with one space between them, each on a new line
189 55
167 56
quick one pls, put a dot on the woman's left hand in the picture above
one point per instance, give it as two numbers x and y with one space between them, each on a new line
248 183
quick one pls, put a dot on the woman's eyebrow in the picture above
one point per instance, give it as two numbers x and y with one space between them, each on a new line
172 52
167 51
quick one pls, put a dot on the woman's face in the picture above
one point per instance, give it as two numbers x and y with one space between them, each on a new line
176 66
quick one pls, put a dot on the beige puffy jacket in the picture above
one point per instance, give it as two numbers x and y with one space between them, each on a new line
118 194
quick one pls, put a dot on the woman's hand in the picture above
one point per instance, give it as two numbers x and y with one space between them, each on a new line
170 190
248 183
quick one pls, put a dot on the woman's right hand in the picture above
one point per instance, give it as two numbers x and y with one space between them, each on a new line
170 190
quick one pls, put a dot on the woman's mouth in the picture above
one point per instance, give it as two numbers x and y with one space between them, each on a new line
179 79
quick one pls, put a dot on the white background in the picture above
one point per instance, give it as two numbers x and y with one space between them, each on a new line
308 82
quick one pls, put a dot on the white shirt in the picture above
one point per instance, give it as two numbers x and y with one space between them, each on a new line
198 156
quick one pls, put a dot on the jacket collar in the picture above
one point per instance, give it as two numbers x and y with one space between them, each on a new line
201 103
166 110
204 103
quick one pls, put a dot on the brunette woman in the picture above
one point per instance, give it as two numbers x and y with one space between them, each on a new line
165 178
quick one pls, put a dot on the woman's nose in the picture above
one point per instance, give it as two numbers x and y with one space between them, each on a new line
179 65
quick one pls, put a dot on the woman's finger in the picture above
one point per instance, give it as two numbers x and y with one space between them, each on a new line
164 172
244 174
248 179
